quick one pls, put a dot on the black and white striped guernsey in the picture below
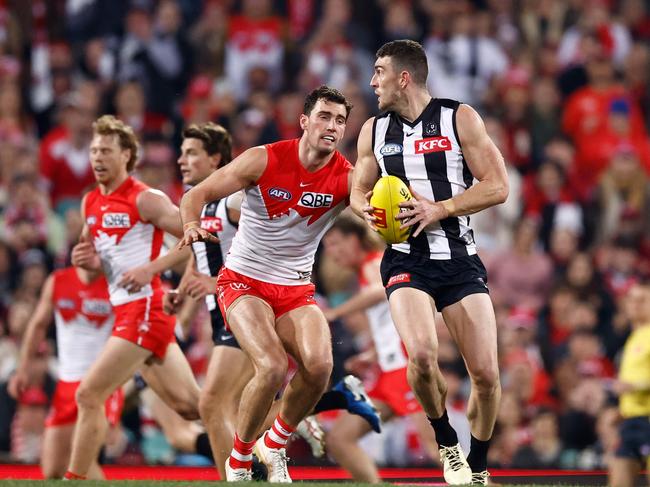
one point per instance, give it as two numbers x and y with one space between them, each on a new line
426 155
210 256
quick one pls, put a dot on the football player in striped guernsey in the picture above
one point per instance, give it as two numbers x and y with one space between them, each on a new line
441 150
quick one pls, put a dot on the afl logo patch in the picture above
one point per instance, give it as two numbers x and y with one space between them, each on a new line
280 194
391 149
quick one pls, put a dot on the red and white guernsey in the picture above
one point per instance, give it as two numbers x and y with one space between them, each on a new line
121 238
388 344
285 215
84 320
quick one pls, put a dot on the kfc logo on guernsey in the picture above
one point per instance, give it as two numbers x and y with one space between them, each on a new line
211 224
316 200
280 194
116 220
432 144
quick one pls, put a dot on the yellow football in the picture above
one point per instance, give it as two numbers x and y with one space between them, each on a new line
387 194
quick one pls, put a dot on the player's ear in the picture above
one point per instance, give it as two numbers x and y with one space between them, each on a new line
304 121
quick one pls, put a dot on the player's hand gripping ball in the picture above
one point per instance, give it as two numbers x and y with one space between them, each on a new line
387 194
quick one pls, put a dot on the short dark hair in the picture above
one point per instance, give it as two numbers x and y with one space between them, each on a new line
407 55
326 93
215 139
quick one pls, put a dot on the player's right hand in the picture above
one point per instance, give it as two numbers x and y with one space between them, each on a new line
369 212
84 256
196 234
172 301
17 383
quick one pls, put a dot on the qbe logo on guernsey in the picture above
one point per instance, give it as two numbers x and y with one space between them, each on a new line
316 200
116 220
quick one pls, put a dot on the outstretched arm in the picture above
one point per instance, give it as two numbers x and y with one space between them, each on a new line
243 171
365 175
155 207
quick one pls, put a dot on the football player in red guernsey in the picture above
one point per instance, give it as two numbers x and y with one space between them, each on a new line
78 300
293 191
124 225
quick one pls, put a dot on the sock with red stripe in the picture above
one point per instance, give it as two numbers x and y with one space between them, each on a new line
241 455
73 476
279 434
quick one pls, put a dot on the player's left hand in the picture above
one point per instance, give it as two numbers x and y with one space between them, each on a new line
195 234
135 279
198 285
420 211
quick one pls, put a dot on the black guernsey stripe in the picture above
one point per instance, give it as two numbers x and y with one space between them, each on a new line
212 250
436 167
394 165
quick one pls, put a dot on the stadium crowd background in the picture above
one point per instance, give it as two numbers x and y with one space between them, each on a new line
562 85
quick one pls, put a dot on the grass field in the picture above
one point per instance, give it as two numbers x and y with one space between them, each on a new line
327 476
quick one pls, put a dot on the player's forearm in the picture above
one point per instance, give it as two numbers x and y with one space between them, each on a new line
363 300
34 335
169 260
357 200
191 205
480 196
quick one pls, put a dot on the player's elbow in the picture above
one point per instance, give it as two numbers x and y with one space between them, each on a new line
501 192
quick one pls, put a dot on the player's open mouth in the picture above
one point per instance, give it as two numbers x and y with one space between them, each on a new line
329 138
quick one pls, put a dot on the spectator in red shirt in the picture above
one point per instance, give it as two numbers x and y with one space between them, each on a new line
64 153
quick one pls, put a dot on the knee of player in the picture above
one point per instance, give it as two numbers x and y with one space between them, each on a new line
422 360
273 369
485 377
87 398
320 371
187 408
207 404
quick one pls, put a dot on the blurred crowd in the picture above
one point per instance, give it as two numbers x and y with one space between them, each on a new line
564 91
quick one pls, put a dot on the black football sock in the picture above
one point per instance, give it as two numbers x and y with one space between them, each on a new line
329 401
203 446
445 434
477 457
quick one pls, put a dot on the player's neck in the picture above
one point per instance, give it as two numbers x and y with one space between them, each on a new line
311 159
112 185
413 104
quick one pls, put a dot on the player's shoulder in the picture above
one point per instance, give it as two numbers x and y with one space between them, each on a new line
282 146
65 275
136 186
449 103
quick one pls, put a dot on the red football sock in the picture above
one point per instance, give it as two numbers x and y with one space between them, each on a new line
241 455
279 434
